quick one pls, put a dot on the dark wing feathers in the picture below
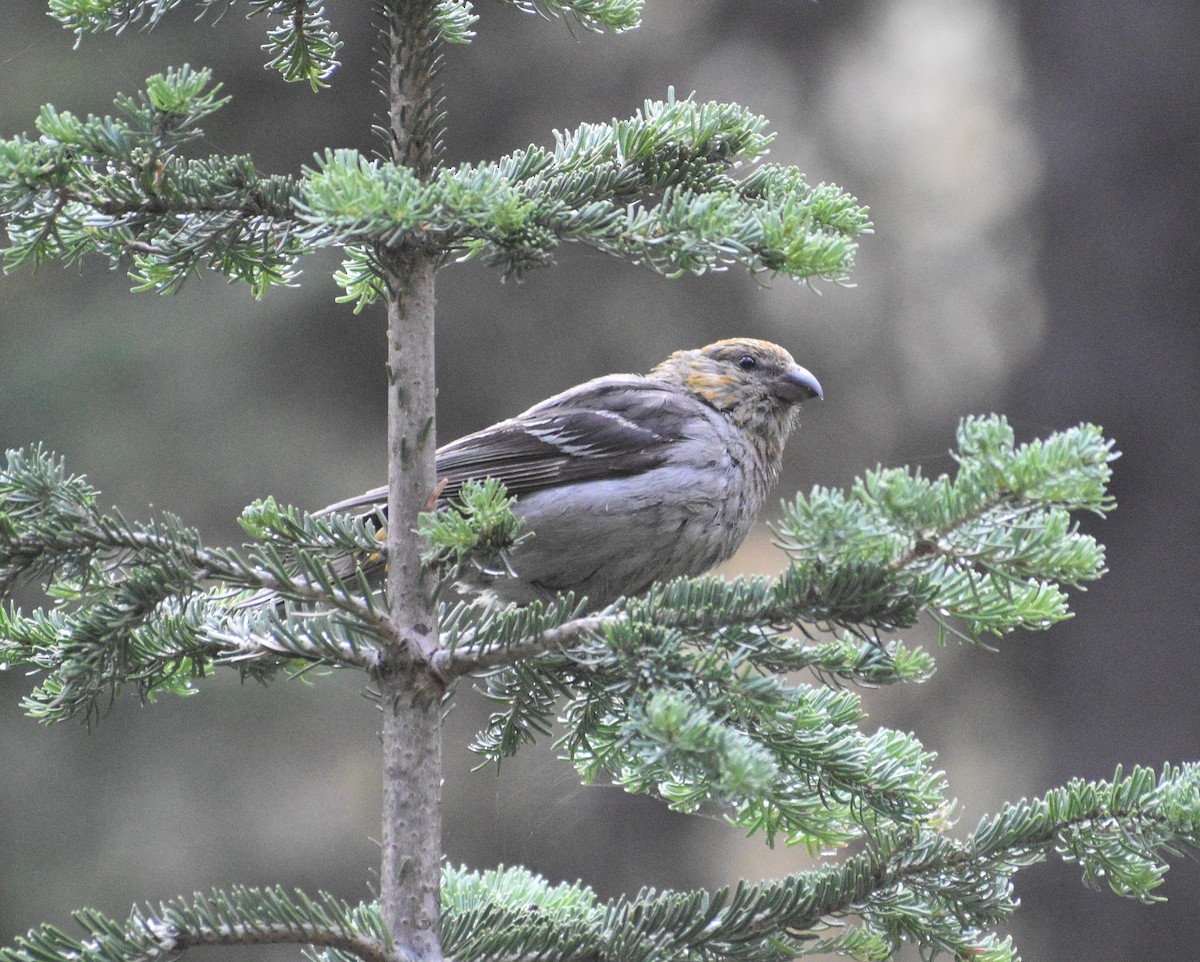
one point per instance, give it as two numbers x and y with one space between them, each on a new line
610 427
603 429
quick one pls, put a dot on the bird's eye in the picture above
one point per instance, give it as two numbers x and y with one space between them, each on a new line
747 362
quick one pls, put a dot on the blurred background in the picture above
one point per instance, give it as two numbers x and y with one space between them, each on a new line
1032 171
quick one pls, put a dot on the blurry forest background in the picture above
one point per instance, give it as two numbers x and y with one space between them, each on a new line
1032 169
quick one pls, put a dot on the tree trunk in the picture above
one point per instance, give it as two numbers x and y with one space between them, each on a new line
411 694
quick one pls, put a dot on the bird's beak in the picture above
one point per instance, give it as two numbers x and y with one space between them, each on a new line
797 385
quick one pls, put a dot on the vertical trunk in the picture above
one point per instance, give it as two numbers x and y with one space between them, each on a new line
410 875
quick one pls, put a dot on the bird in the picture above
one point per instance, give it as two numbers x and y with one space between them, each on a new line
627 479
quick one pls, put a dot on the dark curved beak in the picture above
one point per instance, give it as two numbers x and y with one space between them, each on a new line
797 385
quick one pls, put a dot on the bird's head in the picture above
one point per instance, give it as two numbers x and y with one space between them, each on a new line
741 376
756 384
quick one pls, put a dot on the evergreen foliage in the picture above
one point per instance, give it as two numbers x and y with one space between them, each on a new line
706 693
689 693
655 189
921 886
116 187
918 886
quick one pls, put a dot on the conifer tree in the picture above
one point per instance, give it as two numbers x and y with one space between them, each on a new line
703 692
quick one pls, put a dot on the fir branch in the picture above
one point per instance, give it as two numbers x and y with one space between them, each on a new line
654 189
160 644
941 894
615 673
706 718
854 597
326 638
241 916
512 914
922 887
702 725
477 528
991 545
134 602
96 16
1113 830
454 19
595 15
50 527
117 187
479 636
303 46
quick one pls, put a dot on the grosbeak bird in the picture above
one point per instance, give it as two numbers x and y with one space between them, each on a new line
627 479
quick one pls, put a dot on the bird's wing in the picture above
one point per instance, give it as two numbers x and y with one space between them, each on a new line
611 427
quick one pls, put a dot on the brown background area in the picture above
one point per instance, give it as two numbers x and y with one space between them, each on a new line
1032 171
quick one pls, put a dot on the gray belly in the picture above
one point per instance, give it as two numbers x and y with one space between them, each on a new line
617 537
